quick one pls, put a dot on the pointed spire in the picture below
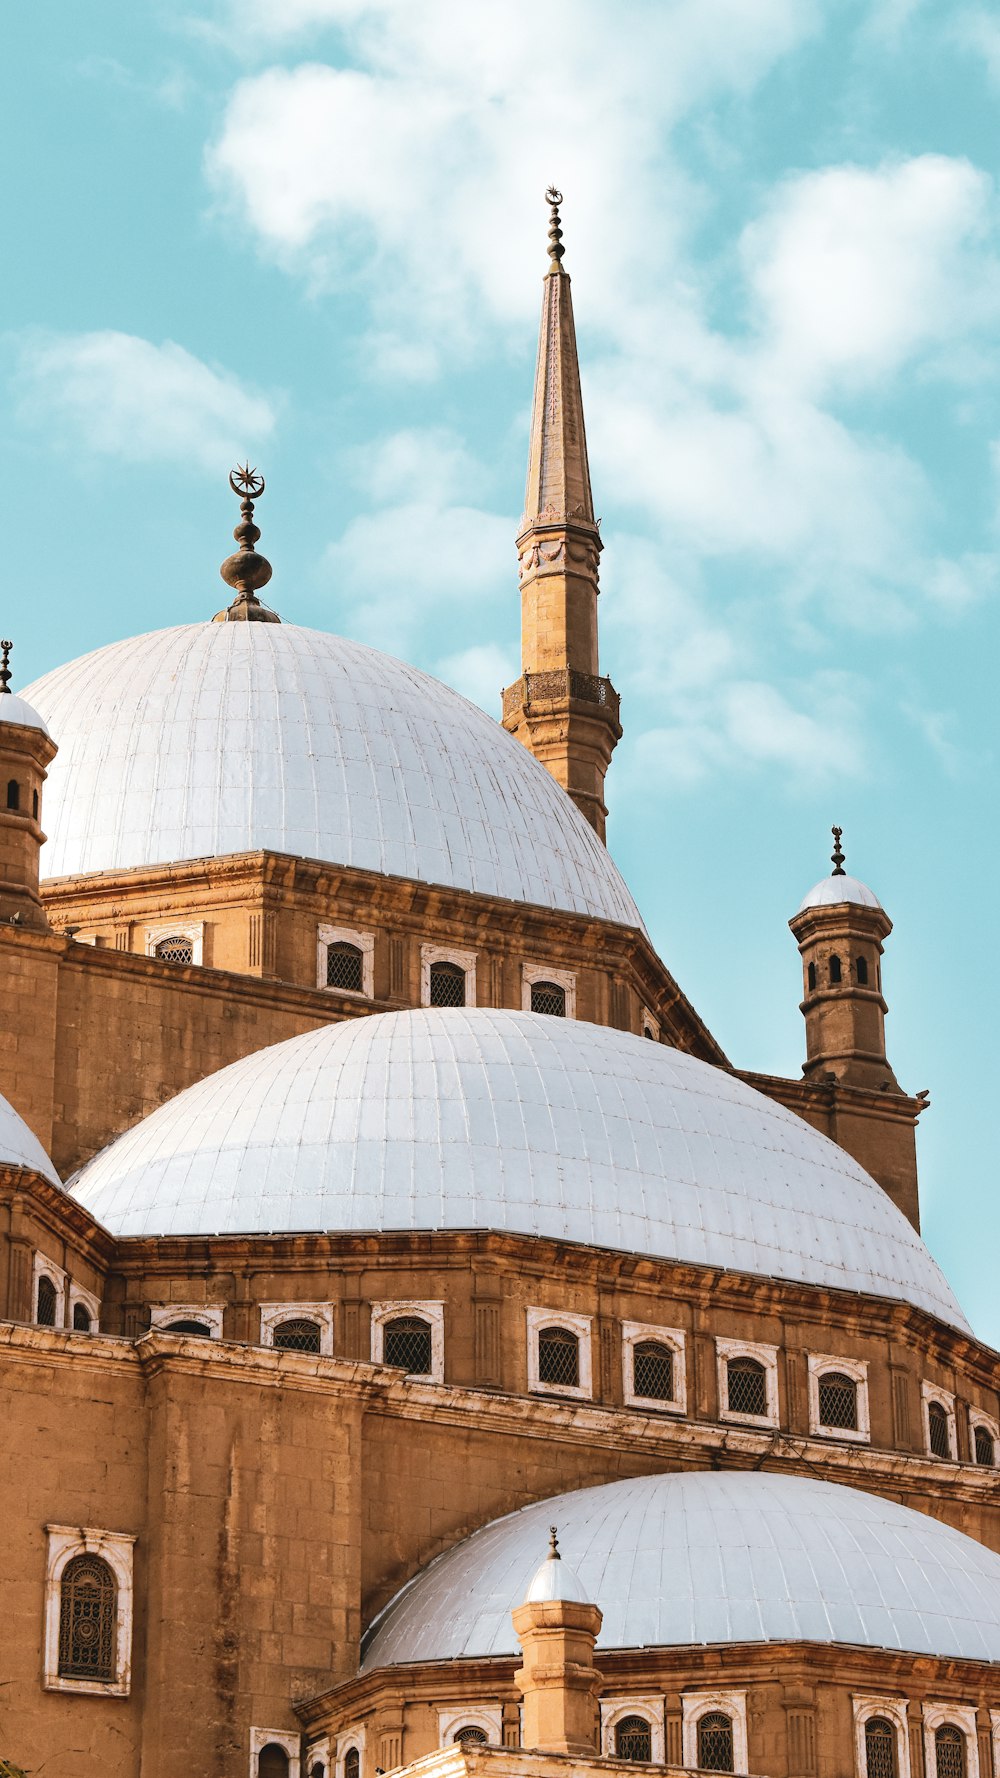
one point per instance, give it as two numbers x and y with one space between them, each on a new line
5 675
246 571
558 489
837 856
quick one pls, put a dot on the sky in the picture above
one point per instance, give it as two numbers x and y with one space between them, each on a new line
313 231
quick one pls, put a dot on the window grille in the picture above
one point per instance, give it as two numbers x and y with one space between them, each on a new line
472 1736
862 969
87 1620
175 950
81 1318
298 1336
344 966
634 1739
559 1357
188 1327
880 1748
13 795
715 1742
406 1341
838 1401
549 998
653 1371
949 1751
937 1423
746 1388
352 1763
45 1311
272 1761
835 974
986 1451
447 984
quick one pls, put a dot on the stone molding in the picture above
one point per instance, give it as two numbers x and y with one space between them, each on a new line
114 1548
488 1717
537 1320
695 1705
962 1716
261 1738
633 1334
346 935
273 1315
764 1355
945 1398
857 1370
430 1311
867 1705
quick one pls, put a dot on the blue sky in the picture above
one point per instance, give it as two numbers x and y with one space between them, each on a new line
313 231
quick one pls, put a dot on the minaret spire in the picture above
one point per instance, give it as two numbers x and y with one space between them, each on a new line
561 708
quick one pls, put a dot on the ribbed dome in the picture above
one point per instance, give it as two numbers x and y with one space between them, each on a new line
712 1558
486 1119
833 891
19 1147
213 739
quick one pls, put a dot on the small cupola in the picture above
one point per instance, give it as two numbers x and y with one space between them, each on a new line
557 1628
26 752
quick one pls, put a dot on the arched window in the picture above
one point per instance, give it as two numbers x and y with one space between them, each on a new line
298 1336
187 1327
81 1318
949 1751
45 1302
634 1739
558 1357
175 950
272 1761
34 805
715 1742
811 976
352 1763
835 974
406 1341
653 1371
344 967
13 794
937 1425
880 1748
318 1770
861 965
647 1031
87 1620
548 997
447 984
472 1735
838 1401
746 1390
986 1450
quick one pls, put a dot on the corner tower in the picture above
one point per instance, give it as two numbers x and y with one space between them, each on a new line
565 713
26 751
840 927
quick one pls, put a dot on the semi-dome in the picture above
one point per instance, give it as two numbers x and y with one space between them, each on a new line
211 739
834 890
721 1557
17 710
480 1118
19 1147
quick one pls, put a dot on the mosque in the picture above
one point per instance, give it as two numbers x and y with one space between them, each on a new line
422 1347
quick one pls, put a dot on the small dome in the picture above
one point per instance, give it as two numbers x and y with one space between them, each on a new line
19 711
730 1556
831 892
480 1118
555 1579
19 1147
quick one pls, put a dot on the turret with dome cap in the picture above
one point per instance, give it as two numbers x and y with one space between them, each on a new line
557 1627
26 751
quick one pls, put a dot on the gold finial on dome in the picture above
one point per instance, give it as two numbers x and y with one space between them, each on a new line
246 571
5 648
554 198
837 856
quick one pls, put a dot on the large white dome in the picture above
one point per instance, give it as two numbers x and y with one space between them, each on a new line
488 1119
712 1558
212 739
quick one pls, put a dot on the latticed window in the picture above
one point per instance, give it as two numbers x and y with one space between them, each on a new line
558 1357
447 984
175 950
548 997
352 1763
272 1761
81 1318
880 1748
87 1620
471 1735
937 1423
746 1390
188 1327
298 1336
653 1371
949 1751
986 1450
838 1401
715 1742
45 1303
406 1341
634 1739
344 967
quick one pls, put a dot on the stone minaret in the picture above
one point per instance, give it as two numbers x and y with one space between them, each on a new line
26 751
557 1628
561 708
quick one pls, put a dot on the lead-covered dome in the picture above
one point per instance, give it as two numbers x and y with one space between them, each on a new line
720 1557
487 1119
834 891
211 739
19 1147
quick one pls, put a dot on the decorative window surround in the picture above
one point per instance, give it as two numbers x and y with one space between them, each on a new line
43 1267
648 1705
635 1333
161 1314
537 1320
977 1417
695 1705
650 1028
189 929
857 1370
261 1738
345 935
962 1716
995 1738
272 1315
91 1303
318 1753
114 1548
764 1355
464 960
894 1711
350 1738
488 1717
932 1392
541 972
431 1312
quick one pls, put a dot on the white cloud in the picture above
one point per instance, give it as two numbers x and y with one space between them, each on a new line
480 673
746 726
121 396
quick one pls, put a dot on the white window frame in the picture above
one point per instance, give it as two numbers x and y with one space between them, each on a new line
634 1333
431 1312
349 1738
192 929
466 960
210 1316
319 1750
695 1705
857 1370
537 1320
933 1392
650 1027
363 942
978 1417
648 1705
560 978
43 1267
867 1705
962 1716
273 1315
488 1717
91 1303
292 1744
766 1356
114 1548
995 1738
